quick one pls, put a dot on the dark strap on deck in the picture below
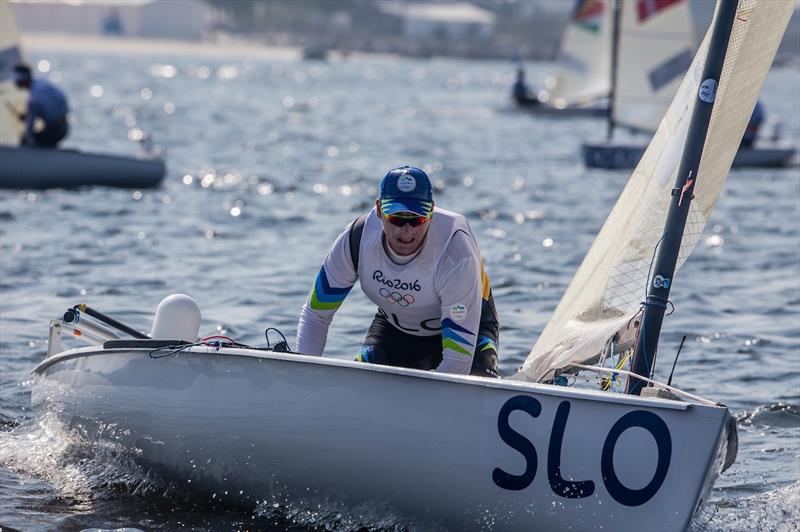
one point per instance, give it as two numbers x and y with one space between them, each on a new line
143 344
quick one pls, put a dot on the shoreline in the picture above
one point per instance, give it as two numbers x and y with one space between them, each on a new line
98 44
220 49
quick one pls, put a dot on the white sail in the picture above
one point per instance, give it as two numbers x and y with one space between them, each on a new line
605 294
12 100
655 47
584 59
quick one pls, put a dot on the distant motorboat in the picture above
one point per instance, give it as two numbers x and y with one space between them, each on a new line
40 168
24 167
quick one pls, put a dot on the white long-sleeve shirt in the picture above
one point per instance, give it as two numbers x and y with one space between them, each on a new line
437 292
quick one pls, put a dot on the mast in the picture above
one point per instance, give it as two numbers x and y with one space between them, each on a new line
664 267
613 73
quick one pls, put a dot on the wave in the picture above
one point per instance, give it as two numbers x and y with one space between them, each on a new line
773 415
777 509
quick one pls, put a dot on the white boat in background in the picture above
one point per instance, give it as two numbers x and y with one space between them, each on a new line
35 168
651 49
555 447
580 85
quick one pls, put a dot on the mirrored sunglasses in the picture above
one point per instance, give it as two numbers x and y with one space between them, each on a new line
413 221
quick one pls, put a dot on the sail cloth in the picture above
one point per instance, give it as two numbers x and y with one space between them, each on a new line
655 46
11 98
584 58
607 290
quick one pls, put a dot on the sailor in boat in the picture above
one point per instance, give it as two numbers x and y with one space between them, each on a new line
751 132
421 266
520 91
46 104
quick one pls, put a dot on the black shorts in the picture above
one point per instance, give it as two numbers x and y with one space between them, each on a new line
387 345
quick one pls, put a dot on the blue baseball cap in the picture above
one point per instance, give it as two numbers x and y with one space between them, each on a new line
406 189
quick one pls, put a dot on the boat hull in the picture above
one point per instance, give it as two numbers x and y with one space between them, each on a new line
461 452
39 168
622 156
566 112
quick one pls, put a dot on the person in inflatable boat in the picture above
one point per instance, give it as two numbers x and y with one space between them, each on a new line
421 266
47 106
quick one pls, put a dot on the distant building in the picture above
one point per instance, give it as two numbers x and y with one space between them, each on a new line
166 19
453 21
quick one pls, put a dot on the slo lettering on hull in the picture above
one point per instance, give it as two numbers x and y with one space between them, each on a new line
580 489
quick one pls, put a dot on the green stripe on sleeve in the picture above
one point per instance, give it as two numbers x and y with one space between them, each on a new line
447 343
316 304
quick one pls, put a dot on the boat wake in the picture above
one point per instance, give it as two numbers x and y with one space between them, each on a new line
768 431
777 509
77 468
86 473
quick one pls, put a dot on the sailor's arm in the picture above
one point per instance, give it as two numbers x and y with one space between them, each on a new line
459 287
334 281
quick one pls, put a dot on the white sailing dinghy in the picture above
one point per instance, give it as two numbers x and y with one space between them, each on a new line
651 47
580 84
533 452
36 168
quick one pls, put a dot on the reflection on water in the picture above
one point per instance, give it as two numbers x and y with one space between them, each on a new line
268 160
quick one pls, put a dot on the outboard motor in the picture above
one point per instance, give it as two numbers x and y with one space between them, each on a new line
177 318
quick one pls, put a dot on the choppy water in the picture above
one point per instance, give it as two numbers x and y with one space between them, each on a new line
268 160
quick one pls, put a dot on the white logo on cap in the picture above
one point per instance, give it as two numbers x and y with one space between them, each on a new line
406 183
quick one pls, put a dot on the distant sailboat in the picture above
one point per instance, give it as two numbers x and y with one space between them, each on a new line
25 167
652 46
580 84
598 318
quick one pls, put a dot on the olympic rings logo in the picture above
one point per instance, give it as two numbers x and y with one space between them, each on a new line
402 300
